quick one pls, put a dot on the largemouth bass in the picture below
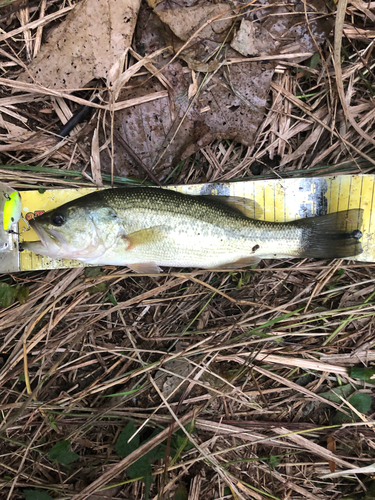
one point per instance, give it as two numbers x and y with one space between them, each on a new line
145 228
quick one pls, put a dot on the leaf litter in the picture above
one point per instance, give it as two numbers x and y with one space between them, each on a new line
85 45
232 94
273 386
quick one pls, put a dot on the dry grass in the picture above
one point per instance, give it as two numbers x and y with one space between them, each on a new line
233 363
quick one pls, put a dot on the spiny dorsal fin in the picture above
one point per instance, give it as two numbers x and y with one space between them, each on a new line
247 206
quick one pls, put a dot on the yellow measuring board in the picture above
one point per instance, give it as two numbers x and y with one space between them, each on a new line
281 200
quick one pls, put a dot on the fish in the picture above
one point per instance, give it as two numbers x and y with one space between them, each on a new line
147 228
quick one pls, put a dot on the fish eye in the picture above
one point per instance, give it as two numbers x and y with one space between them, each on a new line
58 220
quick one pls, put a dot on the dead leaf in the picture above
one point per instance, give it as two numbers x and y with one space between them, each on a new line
95 159
37 143
231 107
367 469
156 130
199 66
363 7
289 29
172 381
244 40
85 45
186 21
171 378
145 127
153 3
230 104
236 97
14 132
193 87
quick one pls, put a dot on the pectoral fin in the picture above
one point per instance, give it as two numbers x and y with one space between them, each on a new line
144 236
145 268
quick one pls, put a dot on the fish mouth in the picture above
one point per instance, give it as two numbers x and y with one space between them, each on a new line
46 236
43 235
50 243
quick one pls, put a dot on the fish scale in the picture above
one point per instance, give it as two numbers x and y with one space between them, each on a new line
197 232
149 227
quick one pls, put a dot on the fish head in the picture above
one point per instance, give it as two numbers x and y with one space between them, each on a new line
75 231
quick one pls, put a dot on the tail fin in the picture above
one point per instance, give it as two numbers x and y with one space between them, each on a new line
332 236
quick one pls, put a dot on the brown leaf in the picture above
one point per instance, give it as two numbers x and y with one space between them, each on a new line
290 31
95 159
231 102
231 107
186 21
193 87
245 40
199 66
153 3
38 143
86 44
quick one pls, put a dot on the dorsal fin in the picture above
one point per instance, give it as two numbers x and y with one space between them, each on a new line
247 206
